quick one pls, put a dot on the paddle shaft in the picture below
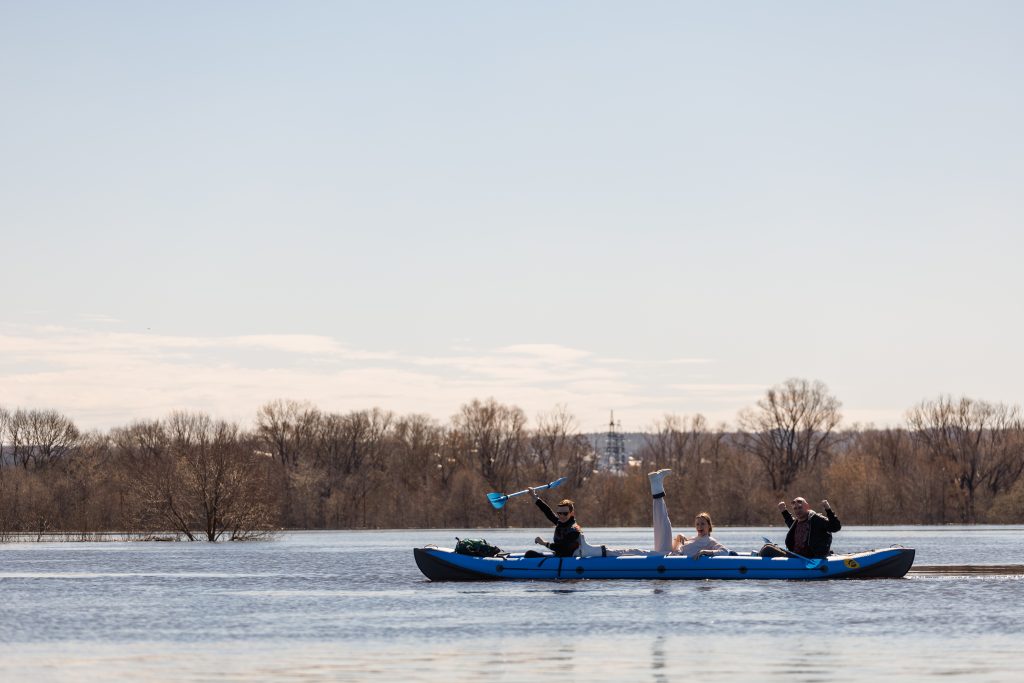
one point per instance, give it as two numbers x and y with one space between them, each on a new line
498 500
810 563
526 491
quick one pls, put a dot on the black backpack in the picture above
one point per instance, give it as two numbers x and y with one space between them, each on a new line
477 547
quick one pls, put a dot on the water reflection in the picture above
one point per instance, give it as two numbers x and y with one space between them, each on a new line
658 660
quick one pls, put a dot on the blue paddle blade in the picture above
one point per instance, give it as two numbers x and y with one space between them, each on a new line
557 482
497 500
813 564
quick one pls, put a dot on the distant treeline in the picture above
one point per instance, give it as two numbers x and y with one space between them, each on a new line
956 460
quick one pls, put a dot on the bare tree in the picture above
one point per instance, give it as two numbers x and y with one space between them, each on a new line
37 437
412 479
198 477
5 420
680 443
494 434
18 437
92 483
980 443
791 429
366 436
416 443
155 499
560 450
221 477
695 453
51 435
287 429
447 468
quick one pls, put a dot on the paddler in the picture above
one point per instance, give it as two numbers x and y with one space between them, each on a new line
567 531
810 532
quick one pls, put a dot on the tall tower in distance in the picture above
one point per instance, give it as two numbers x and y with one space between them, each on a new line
615 446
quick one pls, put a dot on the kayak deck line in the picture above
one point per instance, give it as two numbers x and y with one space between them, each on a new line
443 564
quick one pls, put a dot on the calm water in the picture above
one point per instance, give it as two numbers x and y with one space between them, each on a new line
352 606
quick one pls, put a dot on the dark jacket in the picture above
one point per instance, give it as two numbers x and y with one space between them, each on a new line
567 533
820 537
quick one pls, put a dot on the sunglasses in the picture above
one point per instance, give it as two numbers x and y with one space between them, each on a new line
562 512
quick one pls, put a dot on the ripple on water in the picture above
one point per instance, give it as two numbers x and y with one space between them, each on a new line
353 606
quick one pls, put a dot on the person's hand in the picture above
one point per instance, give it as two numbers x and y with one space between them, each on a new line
539 540
825 504
678 542
705 553
782 505
533 492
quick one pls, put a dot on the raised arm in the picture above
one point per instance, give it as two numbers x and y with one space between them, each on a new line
785 513
834 524
546 510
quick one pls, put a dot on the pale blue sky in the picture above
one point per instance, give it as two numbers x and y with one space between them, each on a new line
412 204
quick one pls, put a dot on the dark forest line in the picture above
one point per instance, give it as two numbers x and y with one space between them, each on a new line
955 460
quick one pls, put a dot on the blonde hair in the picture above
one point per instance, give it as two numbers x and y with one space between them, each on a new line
707 518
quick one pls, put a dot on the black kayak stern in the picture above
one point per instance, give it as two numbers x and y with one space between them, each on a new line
436 569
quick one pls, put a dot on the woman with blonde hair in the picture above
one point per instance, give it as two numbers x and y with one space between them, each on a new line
703 544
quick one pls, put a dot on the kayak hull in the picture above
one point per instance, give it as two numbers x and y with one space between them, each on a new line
444 564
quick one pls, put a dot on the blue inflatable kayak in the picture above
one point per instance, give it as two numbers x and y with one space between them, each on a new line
444 564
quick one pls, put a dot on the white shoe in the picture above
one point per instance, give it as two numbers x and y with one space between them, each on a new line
657 487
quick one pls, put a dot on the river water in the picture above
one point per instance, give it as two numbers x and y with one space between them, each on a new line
352 606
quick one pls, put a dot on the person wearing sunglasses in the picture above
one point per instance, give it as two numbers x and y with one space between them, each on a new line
567 531
810 532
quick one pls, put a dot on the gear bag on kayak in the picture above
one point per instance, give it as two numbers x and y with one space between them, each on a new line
477 547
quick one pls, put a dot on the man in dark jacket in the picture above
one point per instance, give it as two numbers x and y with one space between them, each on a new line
810 532
567 532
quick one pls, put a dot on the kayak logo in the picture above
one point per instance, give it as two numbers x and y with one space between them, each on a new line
851 563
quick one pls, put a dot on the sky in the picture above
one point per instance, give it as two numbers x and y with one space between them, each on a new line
653 208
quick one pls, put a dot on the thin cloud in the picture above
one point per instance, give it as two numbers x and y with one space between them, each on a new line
107 378
719 393
551 353
98 318
716 388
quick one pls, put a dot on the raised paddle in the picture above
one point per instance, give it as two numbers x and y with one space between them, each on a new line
498 499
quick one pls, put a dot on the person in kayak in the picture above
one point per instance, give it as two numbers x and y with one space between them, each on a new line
702 544
810 532
567 531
